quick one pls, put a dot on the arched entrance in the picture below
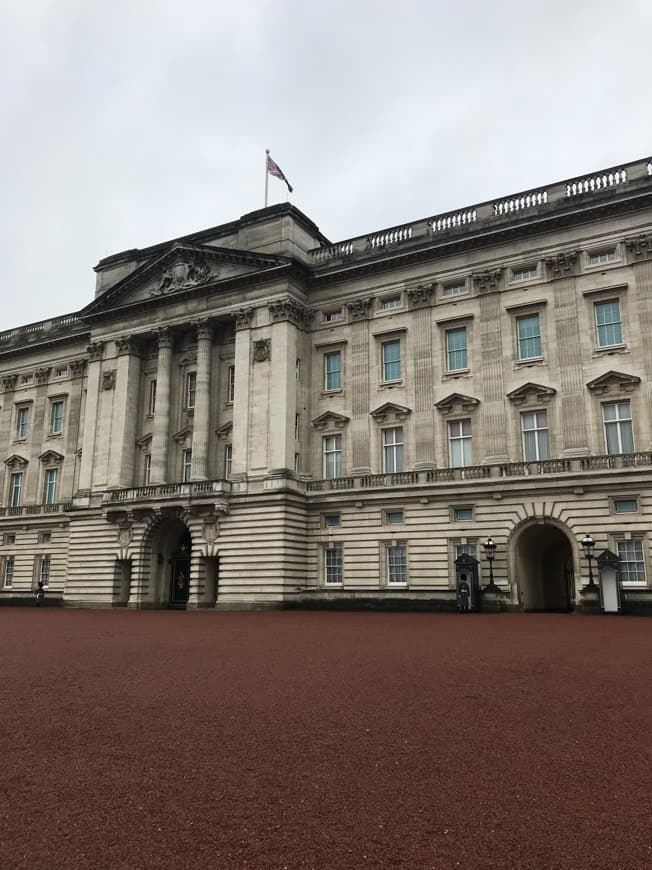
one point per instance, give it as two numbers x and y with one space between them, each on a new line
543 562
170 564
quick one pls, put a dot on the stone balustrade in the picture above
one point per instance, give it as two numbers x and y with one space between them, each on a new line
196 489
24 510
533 201
40 331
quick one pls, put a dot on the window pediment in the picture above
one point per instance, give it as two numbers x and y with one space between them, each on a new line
51 457
15 462
224 432
531 392
389 412
613 382
457 401
330 418
145 442
182 436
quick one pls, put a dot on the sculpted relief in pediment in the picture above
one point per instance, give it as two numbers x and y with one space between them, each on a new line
186 271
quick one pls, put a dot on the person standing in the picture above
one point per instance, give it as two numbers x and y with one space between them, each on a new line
39 593
463 594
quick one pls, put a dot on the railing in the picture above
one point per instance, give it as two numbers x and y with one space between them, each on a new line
617 460
24 510
39 330
464 219
168 490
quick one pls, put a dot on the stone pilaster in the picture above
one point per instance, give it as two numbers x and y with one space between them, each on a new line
72 427
201 419
360 435
422 419
161 427
492 410
125 413
640 320
95 351
283 396
241 399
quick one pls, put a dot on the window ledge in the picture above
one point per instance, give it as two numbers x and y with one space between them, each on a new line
389 384
54 435
532 361
325 394
611 348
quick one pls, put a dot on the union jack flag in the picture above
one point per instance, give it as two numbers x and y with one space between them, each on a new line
274 169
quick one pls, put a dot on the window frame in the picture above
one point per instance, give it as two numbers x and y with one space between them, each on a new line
617 425
333 516
190 390
55 418
521 340
451 351
456 510
22 422
151 398
599 305
15 492
595 257
526 273
328 356
186 464
337 452
450 290
386 363
462 439
394 512
616 500
393 549
148 469
50 485
535 412
230 385
44 562
228 461
330 552
336 315
9 559
393 450
627 540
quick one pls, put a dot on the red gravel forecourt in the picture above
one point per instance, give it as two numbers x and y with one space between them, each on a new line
324 740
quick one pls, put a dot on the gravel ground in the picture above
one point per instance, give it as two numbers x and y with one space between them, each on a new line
324 740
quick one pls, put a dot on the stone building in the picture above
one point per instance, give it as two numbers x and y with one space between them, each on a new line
254 416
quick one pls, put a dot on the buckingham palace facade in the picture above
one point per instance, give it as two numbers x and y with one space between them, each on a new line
255 416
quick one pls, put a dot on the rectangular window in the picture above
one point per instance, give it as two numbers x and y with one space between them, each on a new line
459 443
187 464
191 389
619 437
632 563
391 353
22 422
456 355
297 369
332 445
44 570
230 384
333 316
534 426
468 549
332 521
396 566
525 274
60 371
333 370
608 323
56 417
16 488
50 494
297 426
528 329
392 450
462 514
391 302
151 404
599 259
9 538
625 505
333 566
228 461
148 468
454 289
8 578
44 537
393 518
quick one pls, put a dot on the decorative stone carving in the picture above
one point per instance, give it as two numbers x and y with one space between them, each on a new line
243 318
185 271
457 400
640 248
9 382
262 350
163 337
615 382
359 308
184 436
537 392
145 442
125 344
290 309
77 367
390 411
487 280
108 379
224 432
330 418
203 327
563 264
51 457
15 461
96 350
41 375
421 296
189 359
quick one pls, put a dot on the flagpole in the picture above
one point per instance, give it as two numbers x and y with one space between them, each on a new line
266 176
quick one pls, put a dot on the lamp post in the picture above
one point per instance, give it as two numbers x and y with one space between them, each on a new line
489 547
588 544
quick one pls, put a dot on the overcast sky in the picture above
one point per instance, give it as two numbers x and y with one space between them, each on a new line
135 121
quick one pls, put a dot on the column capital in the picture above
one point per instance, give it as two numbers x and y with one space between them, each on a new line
562 265
359 308
163 337
421 296
77 367
203 326
96 350
42 375
290 309
9 382
243 318
126 344
488 279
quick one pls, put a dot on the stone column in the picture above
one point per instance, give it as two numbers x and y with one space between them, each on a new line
95 350
492 410
640 325
572 392
241 420
161 428
202 416
419 301
125 413
360 436
73 421
6 410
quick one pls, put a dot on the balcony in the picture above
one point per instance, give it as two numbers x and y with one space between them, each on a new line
25 510
196 492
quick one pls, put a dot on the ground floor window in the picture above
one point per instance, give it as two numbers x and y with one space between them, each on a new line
333 572
632 562
44 570
397 565
8 573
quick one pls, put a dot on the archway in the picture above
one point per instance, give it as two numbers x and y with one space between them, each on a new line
543 562
171 547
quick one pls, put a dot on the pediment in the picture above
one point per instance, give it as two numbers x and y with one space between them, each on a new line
225 430
182 436
457 400
51 457
144 442
536 392
390 411
15 461
330 418
179 269
615 382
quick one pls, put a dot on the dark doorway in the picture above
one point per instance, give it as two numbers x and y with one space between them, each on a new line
544 569
180 573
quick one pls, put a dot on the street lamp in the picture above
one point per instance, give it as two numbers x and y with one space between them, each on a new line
489 547
588 544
